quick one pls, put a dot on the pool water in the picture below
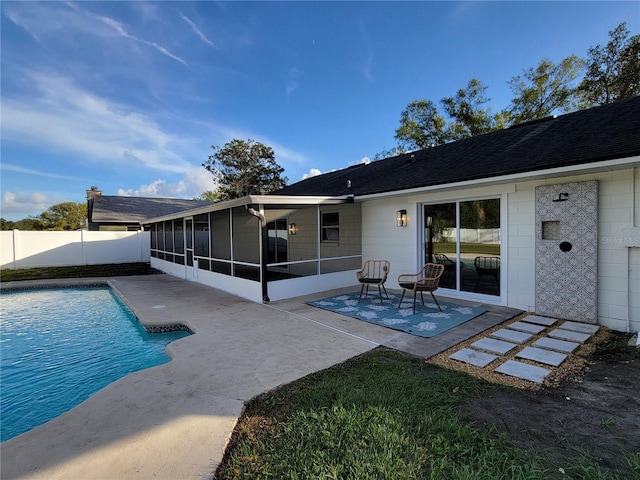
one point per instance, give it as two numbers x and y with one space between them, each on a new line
59 346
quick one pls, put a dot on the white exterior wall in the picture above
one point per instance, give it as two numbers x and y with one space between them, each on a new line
237 286
29 249
618 249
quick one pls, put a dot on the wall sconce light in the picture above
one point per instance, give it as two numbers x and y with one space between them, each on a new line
292 229
401 218
562 197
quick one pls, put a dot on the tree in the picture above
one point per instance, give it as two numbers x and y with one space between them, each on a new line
209 195
30 223
388 152
543 90
245 168
613 71
6 224
470 117
65 216
421 126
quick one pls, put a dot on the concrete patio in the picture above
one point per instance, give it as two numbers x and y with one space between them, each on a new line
174 420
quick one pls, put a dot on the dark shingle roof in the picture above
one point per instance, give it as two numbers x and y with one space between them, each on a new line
587 136
113 209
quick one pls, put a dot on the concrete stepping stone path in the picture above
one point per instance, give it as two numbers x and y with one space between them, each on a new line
493 345
569 335
540 355
555 344
551 350
524 371
538 320
580 327
511 335
527 327
474 357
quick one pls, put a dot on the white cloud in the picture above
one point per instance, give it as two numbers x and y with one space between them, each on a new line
314 172
31 171
55 19
197 31
195 181
362 161
293 80
283 154
63 117
16 206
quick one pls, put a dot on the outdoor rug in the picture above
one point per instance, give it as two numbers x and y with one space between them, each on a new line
428 321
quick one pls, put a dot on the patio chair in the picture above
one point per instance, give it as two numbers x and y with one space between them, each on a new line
487 266
449 265
374 272
426 280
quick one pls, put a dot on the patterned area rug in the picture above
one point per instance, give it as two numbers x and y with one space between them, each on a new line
428 321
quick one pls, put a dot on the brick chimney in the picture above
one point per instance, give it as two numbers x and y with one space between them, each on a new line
93 192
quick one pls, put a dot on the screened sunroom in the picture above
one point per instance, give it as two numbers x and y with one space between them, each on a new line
262 247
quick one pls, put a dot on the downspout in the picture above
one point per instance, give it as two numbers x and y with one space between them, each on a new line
634 222
263 250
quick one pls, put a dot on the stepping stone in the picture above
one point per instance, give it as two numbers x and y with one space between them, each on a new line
546 321
511 335
524 371
540 355
526 327
569 335
580 327
557 345
474 357
493 345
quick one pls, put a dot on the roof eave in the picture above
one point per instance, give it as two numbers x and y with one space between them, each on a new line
253 200
596 167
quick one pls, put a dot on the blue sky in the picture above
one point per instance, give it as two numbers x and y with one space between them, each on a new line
130 96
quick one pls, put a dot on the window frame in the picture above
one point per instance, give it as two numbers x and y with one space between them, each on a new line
325 227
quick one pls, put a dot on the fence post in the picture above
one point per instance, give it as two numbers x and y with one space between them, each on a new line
82 249
15 248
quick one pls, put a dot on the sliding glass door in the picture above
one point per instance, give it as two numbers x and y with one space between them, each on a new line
464 236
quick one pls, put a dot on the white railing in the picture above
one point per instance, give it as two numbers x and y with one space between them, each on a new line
28 249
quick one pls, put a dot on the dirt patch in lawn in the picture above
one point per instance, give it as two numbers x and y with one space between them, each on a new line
592 410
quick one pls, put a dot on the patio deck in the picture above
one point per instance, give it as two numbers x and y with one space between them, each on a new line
174 420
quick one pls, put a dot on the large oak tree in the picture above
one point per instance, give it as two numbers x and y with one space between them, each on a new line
244 167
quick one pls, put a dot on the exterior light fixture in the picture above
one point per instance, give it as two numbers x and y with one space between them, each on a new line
401 218
292 229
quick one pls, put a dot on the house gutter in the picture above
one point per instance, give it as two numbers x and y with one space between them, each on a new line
263 251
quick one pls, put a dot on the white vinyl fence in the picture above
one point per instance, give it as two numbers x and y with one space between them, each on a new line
20 249
473 235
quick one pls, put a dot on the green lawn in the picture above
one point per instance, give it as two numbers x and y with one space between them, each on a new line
478 248
109 270
382 415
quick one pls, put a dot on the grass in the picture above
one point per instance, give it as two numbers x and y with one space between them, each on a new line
477 248
107 270
382 415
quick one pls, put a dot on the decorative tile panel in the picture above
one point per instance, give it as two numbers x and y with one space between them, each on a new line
567 251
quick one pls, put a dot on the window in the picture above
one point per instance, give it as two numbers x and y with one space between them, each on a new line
330 227
277 241
465 238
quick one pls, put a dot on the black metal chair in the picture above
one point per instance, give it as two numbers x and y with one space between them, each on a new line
487 266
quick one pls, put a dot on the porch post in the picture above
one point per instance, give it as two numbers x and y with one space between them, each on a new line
263 250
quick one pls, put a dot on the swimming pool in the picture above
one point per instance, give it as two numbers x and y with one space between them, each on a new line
61 345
